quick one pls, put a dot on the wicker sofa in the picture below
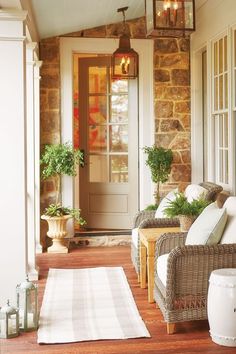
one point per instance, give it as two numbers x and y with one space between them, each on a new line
146 219
182 295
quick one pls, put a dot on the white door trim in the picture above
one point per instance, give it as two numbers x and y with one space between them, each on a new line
68 46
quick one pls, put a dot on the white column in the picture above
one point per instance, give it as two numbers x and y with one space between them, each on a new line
37 78
13 176
32 269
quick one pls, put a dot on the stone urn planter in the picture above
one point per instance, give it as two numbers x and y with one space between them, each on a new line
57 232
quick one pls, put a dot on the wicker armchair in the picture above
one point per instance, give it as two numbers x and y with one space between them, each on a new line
146 219
184 297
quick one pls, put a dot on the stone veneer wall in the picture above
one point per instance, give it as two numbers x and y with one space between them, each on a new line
171 97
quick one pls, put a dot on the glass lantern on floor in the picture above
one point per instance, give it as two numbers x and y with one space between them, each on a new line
27 302
9 321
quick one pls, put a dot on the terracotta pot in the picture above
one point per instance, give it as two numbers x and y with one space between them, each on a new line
57 231
185 222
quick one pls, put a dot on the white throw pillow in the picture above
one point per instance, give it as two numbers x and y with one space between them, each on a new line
208 227
162 267
229 235
134 237
165 203
194 191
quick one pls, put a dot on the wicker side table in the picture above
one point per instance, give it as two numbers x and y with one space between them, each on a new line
221 306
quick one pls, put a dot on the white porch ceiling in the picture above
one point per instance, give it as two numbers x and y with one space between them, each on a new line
57 17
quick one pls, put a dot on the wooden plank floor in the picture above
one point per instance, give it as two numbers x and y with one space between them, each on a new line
191 337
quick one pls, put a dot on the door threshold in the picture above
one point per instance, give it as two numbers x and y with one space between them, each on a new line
98 232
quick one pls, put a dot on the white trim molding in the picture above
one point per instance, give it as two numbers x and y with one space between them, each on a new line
12 15
68 46
13 185
214 21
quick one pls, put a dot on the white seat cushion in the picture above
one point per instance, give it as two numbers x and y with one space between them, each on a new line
162 267
194 191
208 227
134 237
165 203
229 235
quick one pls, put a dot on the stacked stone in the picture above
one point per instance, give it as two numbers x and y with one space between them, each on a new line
49 114
172 105
171 96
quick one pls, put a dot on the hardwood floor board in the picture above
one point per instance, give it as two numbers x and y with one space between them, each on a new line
192 337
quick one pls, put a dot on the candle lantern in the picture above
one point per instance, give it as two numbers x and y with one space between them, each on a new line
124 60
27 302
9 321
169 18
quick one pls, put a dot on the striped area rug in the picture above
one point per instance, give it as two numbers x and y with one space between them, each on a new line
88 304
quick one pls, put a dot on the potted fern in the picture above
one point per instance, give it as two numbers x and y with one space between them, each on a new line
57 160
159 161
186 211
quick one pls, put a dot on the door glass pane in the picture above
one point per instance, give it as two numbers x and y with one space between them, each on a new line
97 109
97 138
107 127
119 138
119 168
119 86
97 79
98 168
119 109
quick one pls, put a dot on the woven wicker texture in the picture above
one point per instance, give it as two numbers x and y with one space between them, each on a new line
146 219
188 270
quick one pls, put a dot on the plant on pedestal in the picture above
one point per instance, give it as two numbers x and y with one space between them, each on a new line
159 161
58 160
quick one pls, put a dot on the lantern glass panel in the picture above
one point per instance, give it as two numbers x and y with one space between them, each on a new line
27 303
162 15
21 306
12 325
174 14
31 309
3 325
125 66
9 322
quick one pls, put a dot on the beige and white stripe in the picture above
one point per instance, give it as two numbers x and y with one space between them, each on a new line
88 304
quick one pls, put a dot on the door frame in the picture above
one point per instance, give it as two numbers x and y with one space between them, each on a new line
69 46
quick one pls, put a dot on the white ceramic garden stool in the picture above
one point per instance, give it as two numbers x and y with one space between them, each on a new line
221 306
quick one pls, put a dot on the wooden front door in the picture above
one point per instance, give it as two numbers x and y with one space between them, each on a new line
109 137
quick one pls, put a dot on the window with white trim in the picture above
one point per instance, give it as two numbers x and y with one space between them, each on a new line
220 109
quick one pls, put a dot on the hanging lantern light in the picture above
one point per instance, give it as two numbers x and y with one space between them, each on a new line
169 18
27 302
9 321
124 59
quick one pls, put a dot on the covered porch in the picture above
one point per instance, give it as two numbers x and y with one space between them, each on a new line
186 103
